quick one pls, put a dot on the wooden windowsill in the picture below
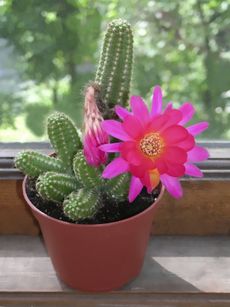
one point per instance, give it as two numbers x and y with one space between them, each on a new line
178 271
203 210
216 167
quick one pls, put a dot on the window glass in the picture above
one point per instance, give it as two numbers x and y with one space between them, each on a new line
49 51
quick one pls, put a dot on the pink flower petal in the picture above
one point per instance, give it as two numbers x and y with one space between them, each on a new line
121 112
175 170
187 144
132 126
131 153
188 111
169 106
174 134
115 168
174 117
112 147
172 185
115 129
135 188
175 155
198 128
161 166
193 170
94 156
137 171
157 123
139 108
197 154
156 101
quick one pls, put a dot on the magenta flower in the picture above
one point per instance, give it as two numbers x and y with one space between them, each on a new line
155 146
94 135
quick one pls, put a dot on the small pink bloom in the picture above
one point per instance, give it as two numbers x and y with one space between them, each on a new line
94 134
155 146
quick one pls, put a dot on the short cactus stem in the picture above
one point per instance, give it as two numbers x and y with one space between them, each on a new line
55 187
115 66
64 137
117 188
81 204
86 175
33 163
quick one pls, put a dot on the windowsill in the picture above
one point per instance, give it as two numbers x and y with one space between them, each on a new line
203 210
217 167
178 271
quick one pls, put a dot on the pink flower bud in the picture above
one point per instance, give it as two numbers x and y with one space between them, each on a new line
94 134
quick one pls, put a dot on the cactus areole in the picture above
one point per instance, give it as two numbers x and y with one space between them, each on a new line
95 198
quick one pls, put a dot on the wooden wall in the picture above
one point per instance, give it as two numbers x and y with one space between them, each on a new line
204 210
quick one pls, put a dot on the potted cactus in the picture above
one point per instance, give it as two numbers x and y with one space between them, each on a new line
95 197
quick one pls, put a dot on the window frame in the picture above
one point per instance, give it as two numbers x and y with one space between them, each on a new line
217 167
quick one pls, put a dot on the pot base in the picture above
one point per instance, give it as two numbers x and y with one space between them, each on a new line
96 258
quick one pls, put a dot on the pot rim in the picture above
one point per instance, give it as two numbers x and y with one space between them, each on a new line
28 201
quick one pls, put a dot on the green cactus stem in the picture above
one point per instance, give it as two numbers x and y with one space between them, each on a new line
64 137
117 188
115 66
87 176
81 204
55 187
33 163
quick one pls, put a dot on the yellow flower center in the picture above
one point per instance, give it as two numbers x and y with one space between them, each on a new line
152 145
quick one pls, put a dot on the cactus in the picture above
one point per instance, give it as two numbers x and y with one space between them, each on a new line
86 175
113 76
117 188
64 137
81 204
81 195
55 187
34 163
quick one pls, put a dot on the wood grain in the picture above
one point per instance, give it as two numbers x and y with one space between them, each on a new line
178 271
204 210
15 216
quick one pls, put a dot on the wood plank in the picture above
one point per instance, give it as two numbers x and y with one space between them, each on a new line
178 271
204 210
15 215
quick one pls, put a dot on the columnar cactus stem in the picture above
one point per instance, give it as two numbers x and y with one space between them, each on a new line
81 204
55 187
86 175
64 137
115 67
34 163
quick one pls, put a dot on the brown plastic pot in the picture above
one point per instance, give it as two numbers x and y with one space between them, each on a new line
98 257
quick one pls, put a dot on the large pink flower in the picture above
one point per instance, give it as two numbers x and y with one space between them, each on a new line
155 146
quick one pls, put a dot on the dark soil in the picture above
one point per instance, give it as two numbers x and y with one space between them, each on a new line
108 212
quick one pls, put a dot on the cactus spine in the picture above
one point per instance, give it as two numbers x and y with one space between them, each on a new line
115 66
55 187
34 163
81 204
86 175
64 137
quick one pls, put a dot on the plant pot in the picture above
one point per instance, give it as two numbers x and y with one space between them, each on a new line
98 257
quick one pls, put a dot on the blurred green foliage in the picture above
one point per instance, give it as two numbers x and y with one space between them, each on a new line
182 45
